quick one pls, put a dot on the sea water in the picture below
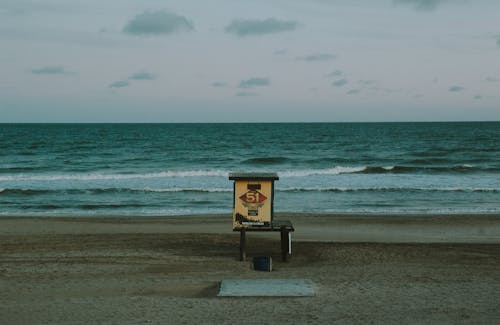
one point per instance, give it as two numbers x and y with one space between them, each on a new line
173 169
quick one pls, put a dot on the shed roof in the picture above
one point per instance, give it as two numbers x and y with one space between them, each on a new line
253 176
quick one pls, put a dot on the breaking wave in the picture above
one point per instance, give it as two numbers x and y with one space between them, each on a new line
465 168
388 189
98 176
29 192
96 191
328 171
337 170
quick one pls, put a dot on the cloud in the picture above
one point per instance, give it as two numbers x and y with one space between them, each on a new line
353 92
254 82
366 83
143 75
317 57
456 89
387 90
478 97
23 7
241 28
336 73
340 82
119 84
280 52
56 69
498 40
423 5
245 94
491 79
219 84
156 23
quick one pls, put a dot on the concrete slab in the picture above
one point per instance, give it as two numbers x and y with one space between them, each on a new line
266 288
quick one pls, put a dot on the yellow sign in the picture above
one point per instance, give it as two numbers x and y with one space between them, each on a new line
253 199
252 206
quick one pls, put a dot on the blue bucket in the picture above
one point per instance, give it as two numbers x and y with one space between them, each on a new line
263 263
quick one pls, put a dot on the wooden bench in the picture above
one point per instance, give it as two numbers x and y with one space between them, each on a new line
285 227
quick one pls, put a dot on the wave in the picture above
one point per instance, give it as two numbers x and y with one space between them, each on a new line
99 176
328 171
266 160
195 190
444 169
46 206
410 169
97 191
388 189
387 170
147 190
335 160
17 169
6 191
337 170
29 192
166 174
110 206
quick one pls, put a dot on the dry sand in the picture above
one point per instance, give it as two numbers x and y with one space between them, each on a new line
367 269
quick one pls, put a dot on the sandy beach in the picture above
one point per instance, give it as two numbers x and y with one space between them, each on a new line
366 269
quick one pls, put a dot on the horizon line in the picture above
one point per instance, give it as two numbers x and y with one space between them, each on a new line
276 122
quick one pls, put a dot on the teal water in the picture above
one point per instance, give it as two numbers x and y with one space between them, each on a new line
167 169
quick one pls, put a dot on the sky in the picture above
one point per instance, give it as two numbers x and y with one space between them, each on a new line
249 60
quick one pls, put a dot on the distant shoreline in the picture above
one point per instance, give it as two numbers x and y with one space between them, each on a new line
463 228
277 215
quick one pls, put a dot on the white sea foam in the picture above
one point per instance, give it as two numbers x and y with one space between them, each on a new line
98 176
382 188
279 189
166 174
189 189
328 171
337 170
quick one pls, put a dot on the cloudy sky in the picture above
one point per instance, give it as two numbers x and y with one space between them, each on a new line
249 60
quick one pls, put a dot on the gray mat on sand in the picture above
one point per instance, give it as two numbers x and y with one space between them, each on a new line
266 288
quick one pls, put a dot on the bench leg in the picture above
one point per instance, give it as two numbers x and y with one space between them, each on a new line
243 239
285 244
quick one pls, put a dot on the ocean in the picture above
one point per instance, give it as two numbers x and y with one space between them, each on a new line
178 169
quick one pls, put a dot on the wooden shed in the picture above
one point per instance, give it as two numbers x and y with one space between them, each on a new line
253 199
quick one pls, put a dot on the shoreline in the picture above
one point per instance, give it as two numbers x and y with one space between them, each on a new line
228 214
463 228
276 214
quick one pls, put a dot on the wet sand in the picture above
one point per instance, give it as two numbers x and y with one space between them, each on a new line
380 269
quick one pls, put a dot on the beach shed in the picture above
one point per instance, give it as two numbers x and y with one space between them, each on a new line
253 209
253 199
